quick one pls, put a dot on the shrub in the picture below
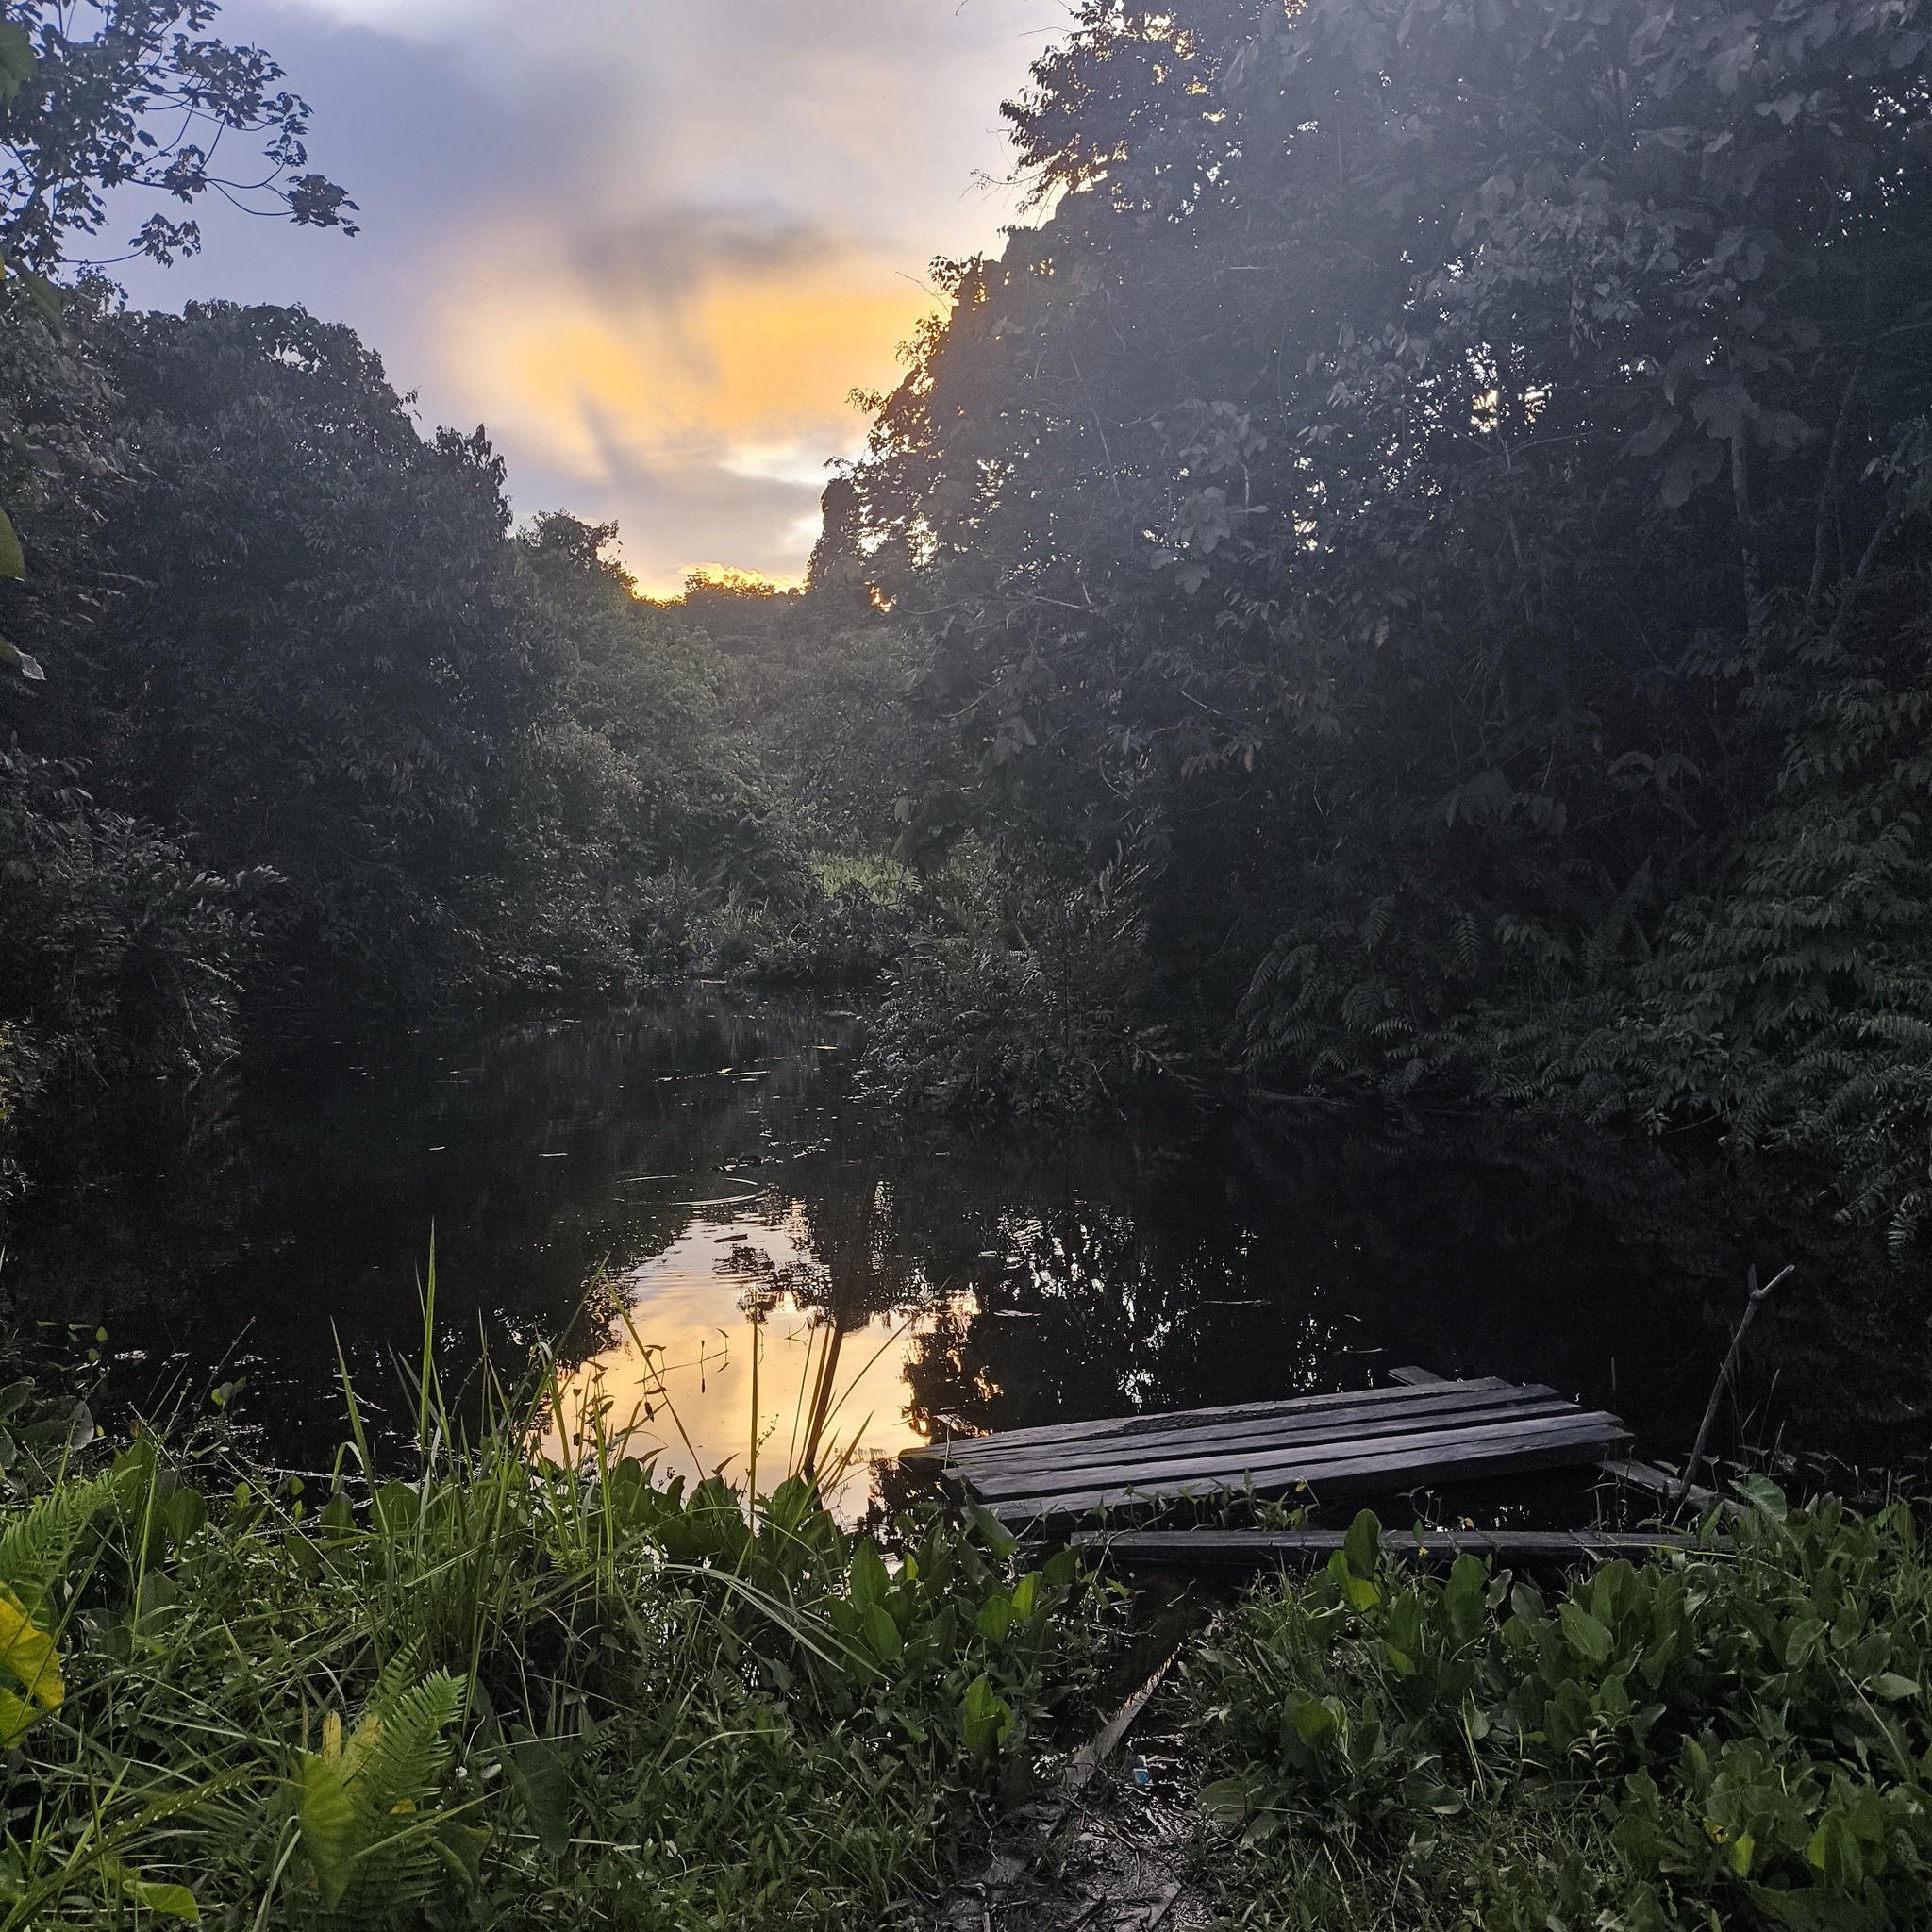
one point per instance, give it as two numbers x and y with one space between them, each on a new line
1737 1736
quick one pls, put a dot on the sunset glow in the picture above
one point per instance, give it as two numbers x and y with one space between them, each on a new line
651 249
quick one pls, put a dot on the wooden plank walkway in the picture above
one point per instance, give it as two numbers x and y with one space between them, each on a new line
1373 1441
1282 1549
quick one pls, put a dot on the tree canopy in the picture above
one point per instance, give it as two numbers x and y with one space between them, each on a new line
1445 485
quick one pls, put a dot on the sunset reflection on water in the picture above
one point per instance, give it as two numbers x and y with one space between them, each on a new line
676 1386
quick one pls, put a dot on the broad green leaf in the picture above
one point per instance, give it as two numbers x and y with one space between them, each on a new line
997 1618
12 559
1763 1495
542 1781
868 1580
332 1828
1228 1800
16 1714
994 1533
170 1900
987 1717
1363 1545
28 1654
460 1847
1583 1633
881 1632
1463 1604
1313 1718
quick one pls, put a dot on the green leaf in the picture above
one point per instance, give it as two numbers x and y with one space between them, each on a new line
881 1632
12 558
997 1618
1363 1545
993 1532
868 1580
460 1847
16 60
1893 1686
542 1781
1583 1633
987 1717
1763 1495
170 1900
1228 1800
1313 1718
1463 1597
332 1831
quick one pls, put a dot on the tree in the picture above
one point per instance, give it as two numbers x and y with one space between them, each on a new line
145 102
1415 481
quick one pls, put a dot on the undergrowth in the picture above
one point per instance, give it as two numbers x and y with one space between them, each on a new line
507 1692
1726 1737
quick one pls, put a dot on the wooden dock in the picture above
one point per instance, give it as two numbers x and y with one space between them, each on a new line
1369 1443
1294 1549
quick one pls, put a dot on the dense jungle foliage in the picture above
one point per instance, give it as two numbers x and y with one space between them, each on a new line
1410 580
1439 504
291 718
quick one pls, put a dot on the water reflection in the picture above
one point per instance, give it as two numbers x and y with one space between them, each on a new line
743 1352
703 1176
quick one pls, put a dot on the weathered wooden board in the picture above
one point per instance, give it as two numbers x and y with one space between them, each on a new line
1363 1442
1126 1425
1217 1464
1266 1549
1274 1435
1382 1469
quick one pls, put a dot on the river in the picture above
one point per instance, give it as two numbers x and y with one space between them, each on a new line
670 1195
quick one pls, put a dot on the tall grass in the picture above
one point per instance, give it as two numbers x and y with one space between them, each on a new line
505 1689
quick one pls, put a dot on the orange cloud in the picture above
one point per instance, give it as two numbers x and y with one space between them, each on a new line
749 373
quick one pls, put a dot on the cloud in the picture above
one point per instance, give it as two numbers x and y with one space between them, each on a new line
653 246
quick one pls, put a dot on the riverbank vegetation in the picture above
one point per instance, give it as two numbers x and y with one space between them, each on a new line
1728 1736
1439 501
503 1691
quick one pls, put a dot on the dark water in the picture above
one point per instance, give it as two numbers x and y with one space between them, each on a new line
697 1154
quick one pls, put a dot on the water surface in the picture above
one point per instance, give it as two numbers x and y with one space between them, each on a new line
664 1194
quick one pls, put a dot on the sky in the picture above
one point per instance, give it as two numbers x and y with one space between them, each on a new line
653 246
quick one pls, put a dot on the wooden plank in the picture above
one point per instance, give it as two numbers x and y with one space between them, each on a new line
1484 1453
1279 1434
1256 1549
1305 1461
1187 1426
1660 1483
1445 1411
1417 1378
1142 1425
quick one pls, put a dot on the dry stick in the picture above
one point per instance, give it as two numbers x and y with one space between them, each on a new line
1723 1375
